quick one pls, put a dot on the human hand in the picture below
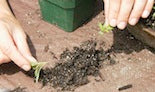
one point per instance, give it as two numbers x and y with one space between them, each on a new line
13 43
121 12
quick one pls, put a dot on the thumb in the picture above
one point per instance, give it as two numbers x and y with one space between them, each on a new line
8 48
21 42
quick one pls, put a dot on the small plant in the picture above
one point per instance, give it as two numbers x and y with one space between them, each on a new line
154 12
105 28
153 15
37 66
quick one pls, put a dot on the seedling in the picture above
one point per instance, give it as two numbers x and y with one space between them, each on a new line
105 28
154 12
37 66
153 15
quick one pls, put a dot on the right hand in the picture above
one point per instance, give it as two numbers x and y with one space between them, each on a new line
13 43
121 12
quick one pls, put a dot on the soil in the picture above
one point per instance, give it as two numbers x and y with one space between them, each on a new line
18 89
150 21
134 61
76 66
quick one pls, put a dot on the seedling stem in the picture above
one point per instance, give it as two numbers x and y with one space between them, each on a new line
37 66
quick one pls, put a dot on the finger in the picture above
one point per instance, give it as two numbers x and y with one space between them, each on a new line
148 8
137 11
4 58
113 11
106 10
8 48
125 10
20 40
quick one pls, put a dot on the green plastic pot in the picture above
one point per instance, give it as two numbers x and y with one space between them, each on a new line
67 14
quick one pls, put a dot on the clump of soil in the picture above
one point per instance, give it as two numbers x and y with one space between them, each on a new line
18 89
150 21
125 87
75 67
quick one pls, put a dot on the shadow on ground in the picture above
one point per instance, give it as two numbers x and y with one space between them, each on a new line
32 49
9 69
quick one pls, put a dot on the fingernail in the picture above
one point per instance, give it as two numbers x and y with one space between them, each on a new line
145 14
113 23
122 25
133 21
26 67
31 59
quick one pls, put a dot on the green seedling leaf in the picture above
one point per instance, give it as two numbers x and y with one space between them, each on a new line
37 66
153 15
105 28
154 12
102 28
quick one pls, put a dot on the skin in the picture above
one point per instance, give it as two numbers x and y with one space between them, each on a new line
121 12
13 43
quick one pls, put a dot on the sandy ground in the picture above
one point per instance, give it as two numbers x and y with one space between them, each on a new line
135 62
